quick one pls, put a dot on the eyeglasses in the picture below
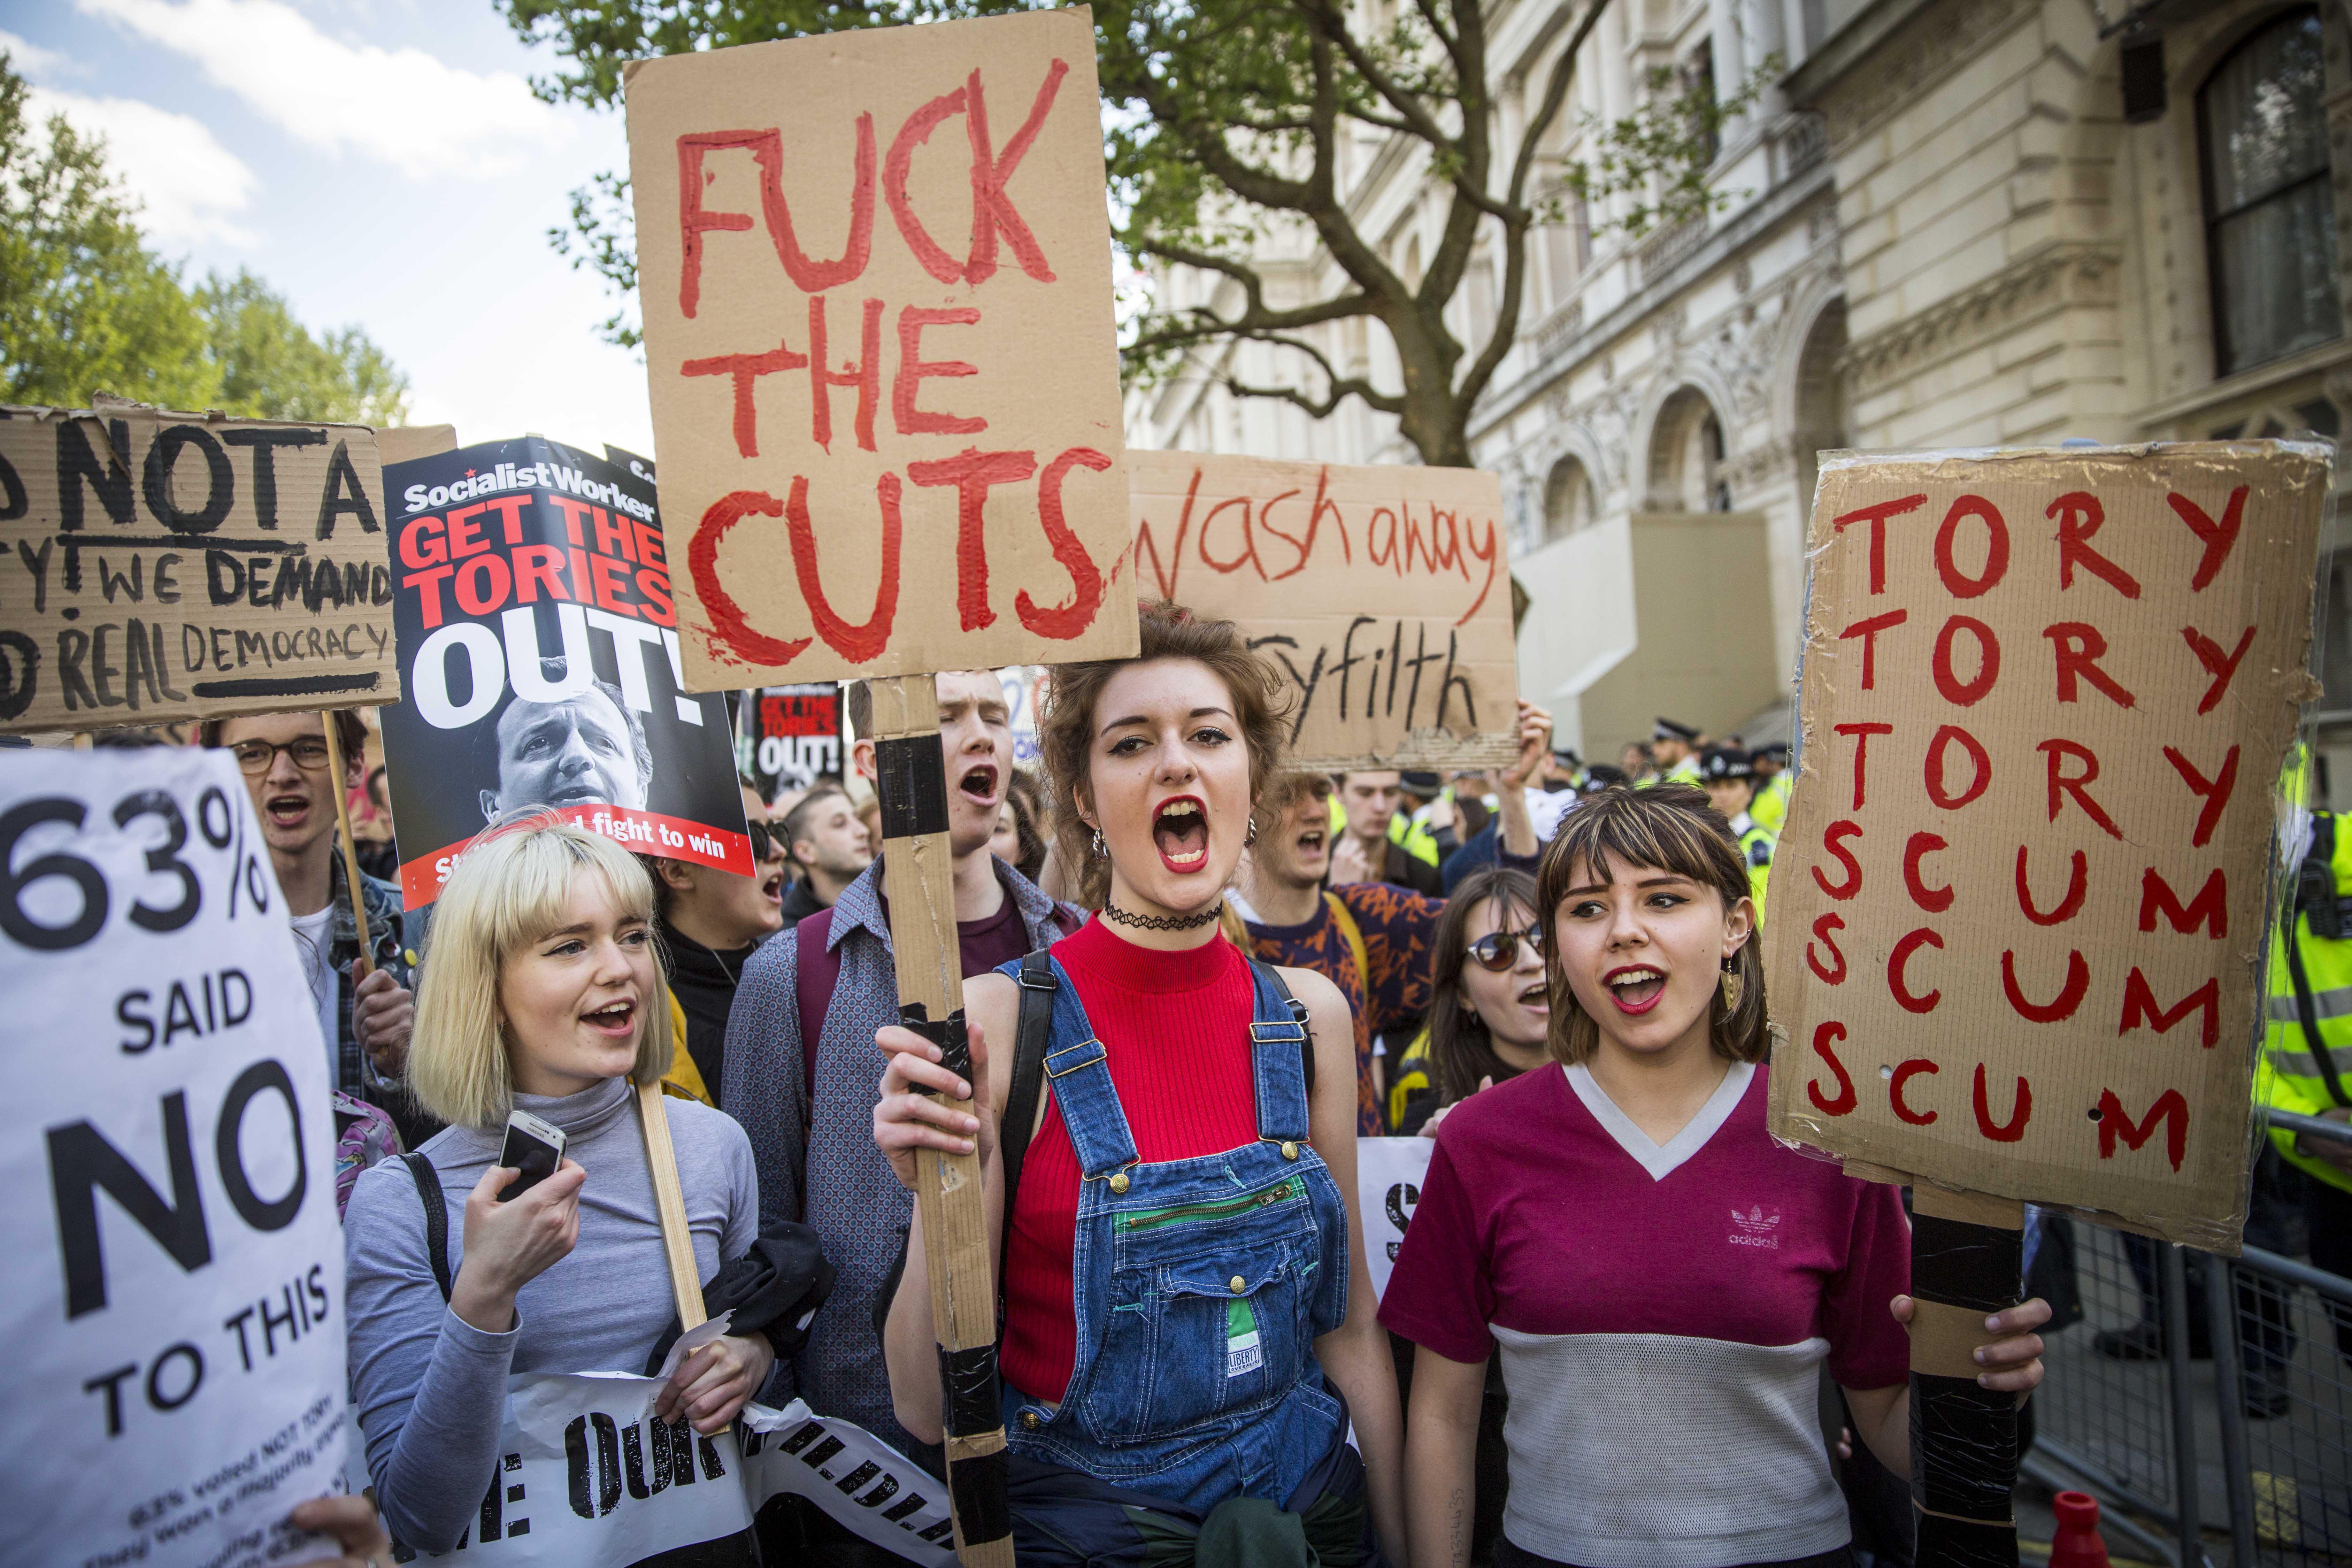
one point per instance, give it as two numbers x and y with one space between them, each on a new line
255 757
1499 951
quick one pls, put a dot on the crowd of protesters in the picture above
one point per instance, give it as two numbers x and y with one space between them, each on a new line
1550 970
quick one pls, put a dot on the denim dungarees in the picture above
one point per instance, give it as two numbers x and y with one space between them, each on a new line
1202 1286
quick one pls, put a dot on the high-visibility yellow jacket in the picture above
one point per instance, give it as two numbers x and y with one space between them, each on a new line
2306 1060
1770 806
1756 846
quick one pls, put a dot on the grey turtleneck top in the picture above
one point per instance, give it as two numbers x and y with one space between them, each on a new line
430 1387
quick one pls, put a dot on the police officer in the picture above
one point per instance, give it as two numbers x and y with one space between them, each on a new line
2307 1061
1773 785
1728 777
1671 748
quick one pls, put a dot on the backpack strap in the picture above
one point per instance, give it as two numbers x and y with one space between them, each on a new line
437 1219
1030 1041
1298 1012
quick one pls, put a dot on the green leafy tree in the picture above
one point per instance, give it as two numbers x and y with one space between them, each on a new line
272 368
1222 119
86 307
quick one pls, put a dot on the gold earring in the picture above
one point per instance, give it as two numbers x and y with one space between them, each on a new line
1731 984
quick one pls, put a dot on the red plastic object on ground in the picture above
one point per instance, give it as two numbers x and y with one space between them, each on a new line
2079 1545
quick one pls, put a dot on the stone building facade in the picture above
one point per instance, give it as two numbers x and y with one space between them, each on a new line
1945 225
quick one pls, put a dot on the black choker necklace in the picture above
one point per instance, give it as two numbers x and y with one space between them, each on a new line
1160 923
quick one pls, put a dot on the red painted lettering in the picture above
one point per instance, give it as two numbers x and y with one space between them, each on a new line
728 624
1826 1035
2079 648
2216 790
1897 982
1968 693
864 374
2076 785
2210 908
1824 929
1834 840
1934 900
1902 1074
746 370
2020 1110
991 210
2218 537
971 472
2140 1007
809 276
856 642
2079 516
1938 748
1956 583
900 163
2221 667
2070 995
2115 1122
1862 734
1868 630
913 368
2078 886
1877 517
1065 620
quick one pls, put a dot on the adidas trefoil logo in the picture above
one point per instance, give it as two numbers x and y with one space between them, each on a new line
1756 1228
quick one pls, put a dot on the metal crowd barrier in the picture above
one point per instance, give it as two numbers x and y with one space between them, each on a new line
2205 1391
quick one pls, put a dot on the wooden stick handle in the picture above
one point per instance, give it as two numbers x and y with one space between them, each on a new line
350 845
670 1202
917 872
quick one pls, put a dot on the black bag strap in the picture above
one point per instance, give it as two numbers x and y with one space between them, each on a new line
1298 1012
437 1219
1035 1033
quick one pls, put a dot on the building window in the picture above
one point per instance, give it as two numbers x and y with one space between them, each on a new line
1568 503
2270 209
1698 86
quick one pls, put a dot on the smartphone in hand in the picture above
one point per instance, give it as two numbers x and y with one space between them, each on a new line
535 1148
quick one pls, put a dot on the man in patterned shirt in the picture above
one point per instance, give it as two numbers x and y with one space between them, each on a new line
1370 939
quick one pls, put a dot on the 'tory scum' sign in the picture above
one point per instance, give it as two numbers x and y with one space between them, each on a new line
2020 909
875 269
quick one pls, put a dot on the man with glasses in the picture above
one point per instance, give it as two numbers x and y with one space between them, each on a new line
366 1007
712 922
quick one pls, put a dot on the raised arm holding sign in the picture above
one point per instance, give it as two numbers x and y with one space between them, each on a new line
885 387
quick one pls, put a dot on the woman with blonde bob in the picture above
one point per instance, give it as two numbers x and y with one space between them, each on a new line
1187 1315
1663 1280
543 993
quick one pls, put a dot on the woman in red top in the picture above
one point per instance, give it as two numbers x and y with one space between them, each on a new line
1189 1324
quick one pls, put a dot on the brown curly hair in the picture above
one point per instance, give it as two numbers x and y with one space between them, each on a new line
1665 827
1065 726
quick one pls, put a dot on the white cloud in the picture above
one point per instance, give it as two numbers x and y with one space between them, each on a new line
400 107
28 59
188 184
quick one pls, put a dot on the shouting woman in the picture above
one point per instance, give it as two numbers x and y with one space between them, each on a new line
1188 1321
1663 1279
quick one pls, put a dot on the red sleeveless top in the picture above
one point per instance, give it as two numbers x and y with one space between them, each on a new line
1175 1033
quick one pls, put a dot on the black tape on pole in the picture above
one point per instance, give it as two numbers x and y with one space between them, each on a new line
1964 1544
1964 1265
912 778
978 1490
974 1403
954 1039
1963 1447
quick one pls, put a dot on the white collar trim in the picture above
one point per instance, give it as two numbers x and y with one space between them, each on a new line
1661 1159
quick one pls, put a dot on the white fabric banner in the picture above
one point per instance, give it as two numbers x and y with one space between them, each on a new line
173 1301
1389 1175
589 1479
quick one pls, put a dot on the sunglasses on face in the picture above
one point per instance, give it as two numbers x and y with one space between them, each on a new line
766 844
1499 951
255 757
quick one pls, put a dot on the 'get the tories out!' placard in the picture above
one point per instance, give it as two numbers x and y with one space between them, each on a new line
875 269
2021 908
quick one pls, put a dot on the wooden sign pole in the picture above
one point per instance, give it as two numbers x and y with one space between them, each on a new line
918 873
361 966
1967 1256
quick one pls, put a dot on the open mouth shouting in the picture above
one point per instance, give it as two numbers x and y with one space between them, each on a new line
288 810
771 886
1314 841
1537 998
1179 830
1636 987
617 1020
977 785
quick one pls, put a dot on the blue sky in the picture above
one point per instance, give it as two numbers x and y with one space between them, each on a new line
381 163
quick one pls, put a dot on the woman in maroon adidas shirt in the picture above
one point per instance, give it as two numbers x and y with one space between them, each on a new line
1189 1324
1662 1279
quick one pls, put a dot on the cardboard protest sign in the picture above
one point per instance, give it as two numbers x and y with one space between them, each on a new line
589 1478
166 566
1389 1172
531 604
875 271
1382 593
174 1304
789 735
2019 913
